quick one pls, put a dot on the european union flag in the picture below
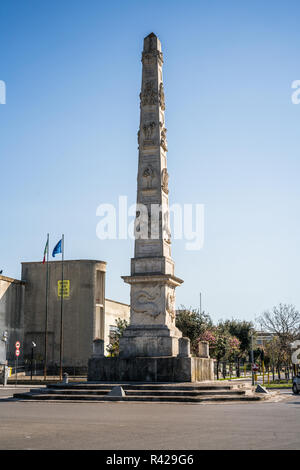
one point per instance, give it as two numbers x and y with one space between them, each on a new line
57 249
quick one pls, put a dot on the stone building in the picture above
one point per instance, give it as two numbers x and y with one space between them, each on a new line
113 311
11 316
86 313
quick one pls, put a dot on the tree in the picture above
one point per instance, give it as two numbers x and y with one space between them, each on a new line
220 348
192 324
221 345
113 346
233 347
284 322
241 330
273 353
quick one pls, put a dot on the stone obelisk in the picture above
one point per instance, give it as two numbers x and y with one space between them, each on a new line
152 348
152 331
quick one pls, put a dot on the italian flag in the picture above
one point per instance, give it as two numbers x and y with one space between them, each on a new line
46 250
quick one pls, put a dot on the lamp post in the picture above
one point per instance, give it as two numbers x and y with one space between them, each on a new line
33 345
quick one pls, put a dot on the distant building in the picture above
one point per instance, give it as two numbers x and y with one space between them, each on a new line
263 337
86 313
113 311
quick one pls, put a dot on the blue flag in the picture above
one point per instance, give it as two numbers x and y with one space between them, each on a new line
57 249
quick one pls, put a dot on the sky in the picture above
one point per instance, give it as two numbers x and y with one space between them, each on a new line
68 138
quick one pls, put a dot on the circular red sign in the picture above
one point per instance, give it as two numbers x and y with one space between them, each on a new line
18 352
18 344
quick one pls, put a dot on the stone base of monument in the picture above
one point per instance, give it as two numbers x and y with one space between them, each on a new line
151 369
150 341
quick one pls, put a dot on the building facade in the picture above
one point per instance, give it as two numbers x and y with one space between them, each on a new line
113 311
79 301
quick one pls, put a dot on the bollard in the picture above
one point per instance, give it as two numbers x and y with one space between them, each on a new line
4 375
66 378
98 348
203 349
184 347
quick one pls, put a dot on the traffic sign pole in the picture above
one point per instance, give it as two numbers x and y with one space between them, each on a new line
254 372
17 354
16 370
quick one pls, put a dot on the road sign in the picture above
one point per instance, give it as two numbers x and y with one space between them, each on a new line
18 345
17 352
254 367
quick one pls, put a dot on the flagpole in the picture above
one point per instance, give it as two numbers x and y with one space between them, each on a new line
46 319
61 307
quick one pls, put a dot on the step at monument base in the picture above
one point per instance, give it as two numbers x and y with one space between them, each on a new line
144 392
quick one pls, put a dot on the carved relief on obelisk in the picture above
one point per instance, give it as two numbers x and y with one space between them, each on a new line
152 330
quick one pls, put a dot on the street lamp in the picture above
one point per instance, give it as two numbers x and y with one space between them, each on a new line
252 358
33 345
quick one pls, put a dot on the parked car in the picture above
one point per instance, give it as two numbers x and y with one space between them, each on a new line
296 384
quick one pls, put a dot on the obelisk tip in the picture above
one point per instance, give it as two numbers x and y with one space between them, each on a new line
152 43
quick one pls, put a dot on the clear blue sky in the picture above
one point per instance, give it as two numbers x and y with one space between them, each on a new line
68 138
